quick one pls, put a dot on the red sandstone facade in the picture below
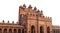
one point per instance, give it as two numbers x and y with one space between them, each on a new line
30 21
34 20
56 29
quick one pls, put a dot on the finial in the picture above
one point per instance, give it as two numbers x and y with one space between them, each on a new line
30 6
35 8
24 5
3 21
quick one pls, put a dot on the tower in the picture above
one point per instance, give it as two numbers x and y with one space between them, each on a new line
34 21
27 18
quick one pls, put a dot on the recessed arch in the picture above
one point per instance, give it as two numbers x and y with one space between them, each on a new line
10 30
48 29
32 29
41 29
22 30
5 30
15 31
19 30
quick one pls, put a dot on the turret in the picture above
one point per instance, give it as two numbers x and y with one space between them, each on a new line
35 8
29 11
41 13
24 6
29 7
8 21
3 21
13 22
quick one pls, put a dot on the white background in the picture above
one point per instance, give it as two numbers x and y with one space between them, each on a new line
9 9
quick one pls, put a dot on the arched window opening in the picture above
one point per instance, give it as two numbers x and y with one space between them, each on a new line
32 29
0 30
15 31
5 30
22 30
41 30
10 30
48 30
19 30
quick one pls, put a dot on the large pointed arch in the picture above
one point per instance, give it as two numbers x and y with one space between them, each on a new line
41 29
48 29
32 29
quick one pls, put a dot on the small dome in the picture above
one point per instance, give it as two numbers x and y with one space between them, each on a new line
8 21
3 21
24 5
30 6
41 11
35 8
12 21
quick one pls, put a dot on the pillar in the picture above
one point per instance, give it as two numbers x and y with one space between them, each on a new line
21 30
17 30
2 30
12 30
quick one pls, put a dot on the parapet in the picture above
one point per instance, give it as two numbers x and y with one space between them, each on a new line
31 8
8 22
47 19
37 11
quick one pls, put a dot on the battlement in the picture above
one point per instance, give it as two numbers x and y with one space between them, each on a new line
45 18
33 12
8 22
30 9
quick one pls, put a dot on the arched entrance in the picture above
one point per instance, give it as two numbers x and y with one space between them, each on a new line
10 30
32 29
0 30
19 30
15 31
22 30
5 30
41 29
48 29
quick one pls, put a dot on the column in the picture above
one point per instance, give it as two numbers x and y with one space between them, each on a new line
12 30
21 30
17 30
7 30
2 30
